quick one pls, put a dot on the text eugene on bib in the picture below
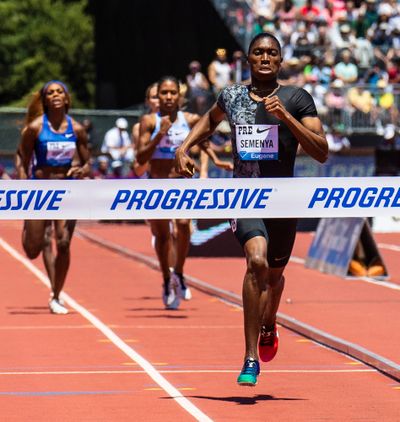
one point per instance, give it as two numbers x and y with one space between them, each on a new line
257 142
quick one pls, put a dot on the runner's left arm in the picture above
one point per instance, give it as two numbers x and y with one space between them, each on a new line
204 127
308 131
83 169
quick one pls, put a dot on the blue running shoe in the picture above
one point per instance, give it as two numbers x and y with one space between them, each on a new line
249 374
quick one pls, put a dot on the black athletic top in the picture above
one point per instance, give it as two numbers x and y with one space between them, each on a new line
240 108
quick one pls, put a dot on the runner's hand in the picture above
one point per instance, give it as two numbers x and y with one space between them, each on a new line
76 172
184 165
165 124
274 106
226 165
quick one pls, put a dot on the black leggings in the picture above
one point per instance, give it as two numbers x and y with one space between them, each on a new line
280 234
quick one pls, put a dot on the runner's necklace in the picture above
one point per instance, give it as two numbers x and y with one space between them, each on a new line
255 91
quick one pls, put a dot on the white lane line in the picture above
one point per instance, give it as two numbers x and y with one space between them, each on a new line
46 327
386 284
194 371
395 248
146 365
138 327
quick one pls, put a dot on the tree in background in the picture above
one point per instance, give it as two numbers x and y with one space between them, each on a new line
42 40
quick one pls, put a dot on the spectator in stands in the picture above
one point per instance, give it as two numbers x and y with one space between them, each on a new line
376 73
219 71
337 141
287 17
367 17
117 167
240 68
291 71
363 53
198 88
310 11
362 103
346 38
3 174
336 102
101 171
387 153
117 142
303 40
89 128
345 70
393 69
380 36
318 92
386 106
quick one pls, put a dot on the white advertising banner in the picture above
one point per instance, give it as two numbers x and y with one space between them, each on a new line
131 199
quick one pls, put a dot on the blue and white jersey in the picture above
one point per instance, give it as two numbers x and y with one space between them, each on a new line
55 149
173 139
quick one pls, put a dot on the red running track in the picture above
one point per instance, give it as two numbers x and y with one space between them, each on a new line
71 368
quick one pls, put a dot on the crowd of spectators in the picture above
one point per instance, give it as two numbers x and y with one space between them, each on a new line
345 53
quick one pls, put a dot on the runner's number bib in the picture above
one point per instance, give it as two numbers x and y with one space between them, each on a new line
257 142
60 150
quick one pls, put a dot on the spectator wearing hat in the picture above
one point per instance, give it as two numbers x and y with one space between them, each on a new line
117 142
336 102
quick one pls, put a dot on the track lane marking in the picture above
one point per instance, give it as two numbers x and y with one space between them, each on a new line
194 371
186 404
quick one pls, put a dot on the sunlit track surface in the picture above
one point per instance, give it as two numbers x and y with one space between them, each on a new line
358 351
80 374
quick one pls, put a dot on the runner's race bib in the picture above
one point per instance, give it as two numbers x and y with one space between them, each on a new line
257 142
60 151
172 140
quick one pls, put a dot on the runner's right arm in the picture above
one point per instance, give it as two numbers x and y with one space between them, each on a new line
146 145
26 147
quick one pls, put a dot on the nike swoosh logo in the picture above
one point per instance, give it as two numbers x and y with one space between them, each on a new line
262 130
281 258
69 135
199 237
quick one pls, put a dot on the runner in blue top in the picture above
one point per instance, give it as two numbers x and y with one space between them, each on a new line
160 135
268 123
52 146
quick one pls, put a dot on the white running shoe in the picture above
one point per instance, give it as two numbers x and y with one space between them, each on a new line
60 299
183 290
186 293
171 297
56 307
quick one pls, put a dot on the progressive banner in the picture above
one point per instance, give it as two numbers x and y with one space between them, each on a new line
131 199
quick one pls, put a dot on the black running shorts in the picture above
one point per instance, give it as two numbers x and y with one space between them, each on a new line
280 234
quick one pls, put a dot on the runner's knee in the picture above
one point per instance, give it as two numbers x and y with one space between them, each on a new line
32 251
257 263
63 246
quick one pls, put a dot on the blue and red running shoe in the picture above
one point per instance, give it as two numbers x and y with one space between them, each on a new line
268 343
249 374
